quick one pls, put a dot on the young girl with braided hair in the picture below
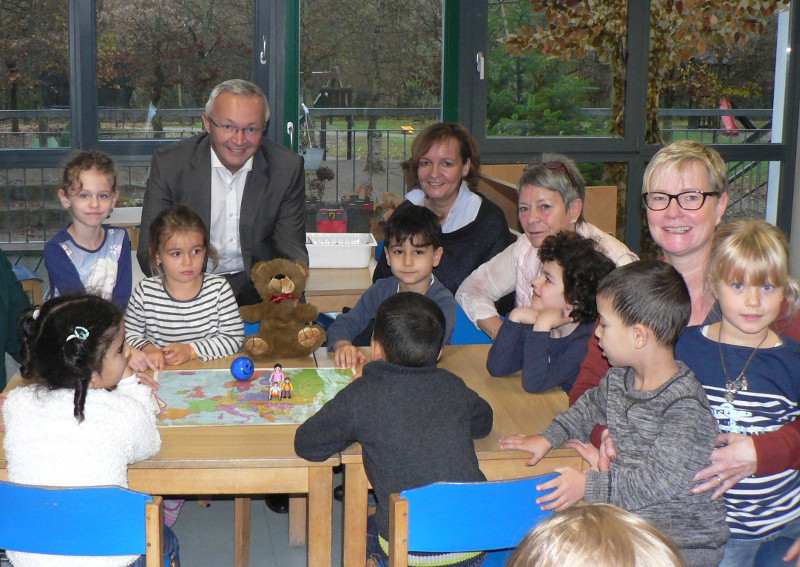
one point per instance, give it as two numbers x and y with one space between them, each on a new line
75 424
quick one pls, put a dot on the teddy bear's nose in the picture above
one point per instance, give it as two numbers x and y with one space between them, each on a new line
278 277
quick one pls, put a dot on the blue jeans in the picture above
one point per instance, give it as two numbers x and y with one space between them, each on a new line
171 548
770 549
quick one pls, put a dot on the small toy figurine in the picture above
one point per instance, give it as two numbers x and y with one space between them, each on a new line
242 368
286 388
276 377
275 390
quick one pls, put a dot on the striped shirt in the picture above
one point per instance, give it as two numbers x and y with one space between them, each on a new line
210 321
757 506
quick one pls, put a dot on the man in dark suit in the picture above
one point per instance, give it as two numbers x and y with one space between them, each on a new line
249 190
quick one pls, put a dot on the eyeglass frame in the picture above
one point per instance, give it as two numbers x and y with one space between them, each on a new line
704 194
552 166
232 130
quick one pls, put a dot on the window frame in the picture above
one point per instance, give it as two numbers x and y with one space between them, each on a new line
631 148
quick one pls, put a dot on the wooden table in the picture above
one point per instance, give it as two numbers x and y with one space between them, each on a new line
515 411
240 461
330 289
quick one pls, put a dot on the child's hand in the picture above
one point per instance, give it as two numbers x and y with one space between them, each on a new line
154 356
608 453
550 319
587 451
524 315
177 353
536 445
570 488
348 356
139 361
148 380
793 552
599 460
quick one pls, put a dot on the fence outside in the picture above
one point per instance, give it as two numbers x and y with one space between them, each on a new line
30 213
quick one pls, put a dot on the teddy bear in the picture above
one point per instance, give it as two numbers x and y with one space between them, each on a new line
285 328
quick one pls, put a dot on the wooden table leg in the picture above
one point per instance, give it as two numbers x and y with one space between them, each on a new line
320 516
298 511
356 491
241 530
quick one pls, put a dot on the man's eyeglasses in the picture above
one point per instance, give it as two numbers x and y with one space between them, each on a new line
232 130
688 200
553 166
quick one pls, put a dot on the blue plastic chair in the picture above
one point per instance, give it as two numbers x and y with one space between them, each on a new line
465 333
105 520
475 516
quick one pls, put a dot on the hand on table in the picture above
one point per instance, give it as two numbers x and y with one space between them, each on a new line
139 361
570 488
177 353
733 460
348 356
536 445
154 356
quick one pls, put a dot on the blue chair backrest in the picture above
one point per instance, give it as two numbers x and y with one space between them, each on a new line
475 516
465 333
105 520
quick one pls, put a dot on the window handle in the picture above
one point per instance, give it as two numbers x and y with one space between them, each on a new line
290 131
263 56
480 64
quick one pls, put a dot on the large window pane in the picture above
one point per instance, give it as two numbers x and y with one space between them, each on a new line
157 62
379 63
30 212
555 68
34 74
716 74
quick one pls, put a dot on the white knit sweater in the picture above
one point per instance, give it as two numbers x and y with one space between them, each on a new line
45 445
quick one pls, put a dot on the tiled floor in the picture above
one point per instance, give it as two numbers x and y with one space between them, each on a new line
206 536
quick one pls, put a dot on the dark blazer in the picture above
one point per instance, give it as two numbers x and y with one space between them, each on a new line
272 216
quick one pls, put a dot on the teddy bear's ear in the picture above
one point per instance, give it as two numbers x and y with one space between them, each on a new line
257 269
303 269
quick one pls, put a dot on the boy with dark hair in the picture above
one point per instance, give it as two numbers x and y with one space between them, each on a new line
413 249
415 422
656 411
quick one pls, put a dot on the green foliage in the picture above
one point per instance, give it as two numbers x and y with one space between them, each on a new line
531 94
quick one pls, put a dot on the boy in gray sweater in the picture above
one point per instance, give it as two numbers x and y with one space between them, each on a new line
657 415
415 422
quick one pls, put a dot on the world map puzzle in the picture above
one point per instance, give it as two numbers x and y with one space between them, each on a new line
215 397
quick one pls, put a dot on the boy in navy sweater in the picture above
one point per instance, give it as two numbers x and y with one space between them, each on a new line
413 250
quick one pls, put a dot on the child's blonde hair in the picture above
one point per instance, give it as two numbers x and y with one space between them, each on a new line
595 535
754 252
175 219
87 161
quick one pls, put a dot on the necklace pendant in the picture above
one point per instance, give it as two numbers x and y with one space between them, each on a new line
744 385
730 396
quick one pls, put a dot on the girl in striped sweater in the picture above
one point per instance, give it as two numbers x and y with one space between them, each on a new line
180 312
